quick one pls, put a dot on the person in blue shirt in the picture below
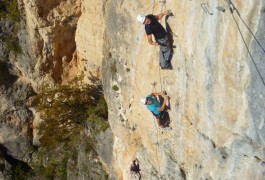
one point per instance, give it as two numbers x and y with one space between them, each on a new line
153 27
154 106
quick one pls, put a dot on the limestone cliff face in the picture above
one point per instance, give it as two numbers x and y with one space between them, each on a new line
216 85
217 95
59 40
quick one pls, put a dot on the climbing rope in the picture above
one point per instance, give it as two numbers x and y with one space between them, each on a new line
164 4
124 145
163 7
154 119
157 140
160 77
234 8
128 154
154 86
251 57
157 132
151 5
249 51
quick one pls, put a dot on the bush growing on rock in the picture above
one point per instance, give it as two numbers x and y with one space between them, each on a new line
68 110
115 87
9 12
9 8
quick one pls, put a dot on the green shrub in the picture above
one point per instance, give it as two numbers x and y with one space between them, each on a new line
98 116
51 164
10 12
2 9
18 173
115 87
12 43
10 9
68 109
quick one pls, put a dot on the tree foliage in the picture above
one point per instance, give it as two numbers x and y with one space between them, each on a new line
9 8
67 109
9 12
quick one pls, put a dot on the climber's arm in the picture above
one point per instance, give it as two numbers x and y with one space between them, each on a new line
160 16
158 94
162 108
150 40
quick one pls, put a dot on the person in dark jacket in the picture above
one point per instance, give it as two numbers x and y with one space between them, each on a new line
135 168
153 27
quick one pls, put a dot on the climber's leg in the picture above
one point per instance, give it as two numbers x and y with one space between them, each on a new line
165 53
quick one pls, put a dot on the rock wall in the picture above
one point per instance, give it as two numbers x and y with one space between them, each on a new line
58 42
216 87
217 96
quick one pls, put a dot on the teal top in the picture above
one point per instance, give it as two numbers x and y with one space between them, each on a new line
154 106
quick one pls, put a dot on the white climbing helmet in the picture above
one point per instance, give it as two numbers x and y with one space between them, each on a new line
141 18
143 100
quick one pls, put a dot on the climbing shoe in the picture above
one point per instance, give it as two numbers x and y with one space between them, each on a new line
168 68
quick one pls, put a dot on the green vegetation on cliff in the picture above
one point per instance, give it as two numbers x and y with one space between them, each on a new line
9 8
68 111
9 12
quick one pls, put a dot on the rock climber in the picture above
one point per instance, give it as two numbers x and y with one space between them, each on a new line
152 26
135 168
155 107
